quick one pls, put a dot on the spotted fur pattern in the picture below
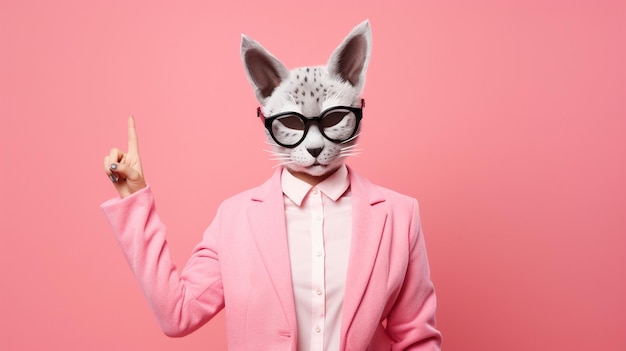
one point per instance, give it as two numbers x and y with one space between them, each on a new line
309 91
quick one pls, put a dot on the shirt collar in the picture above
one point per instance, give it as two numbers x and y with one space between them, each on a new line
334 186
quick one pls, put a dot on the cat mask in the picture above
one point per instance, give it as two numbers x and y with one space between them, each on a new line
311 114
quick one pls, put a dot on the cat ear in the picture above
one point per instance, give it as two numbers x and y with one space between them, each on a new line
264 71
349 60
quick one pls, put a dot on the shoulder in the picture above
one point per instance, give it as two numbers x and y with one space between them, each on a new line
375 192
402 210
271 187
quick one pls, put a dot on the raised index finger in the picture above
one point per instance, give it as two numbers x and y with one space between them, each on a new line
133 143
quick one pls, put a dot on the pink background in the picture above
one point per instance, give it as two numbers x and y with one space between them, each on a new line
507 120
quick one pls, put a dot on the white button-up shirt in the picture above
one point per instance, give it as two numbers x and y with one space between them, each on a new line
319 224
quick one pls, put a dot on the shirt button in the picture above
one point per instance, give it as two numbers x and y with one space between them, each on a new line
318 329
315 191
318 254
318 217
318 291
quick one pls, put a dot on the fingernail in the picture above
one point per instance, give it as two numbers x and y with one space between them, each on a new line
113 166
114 178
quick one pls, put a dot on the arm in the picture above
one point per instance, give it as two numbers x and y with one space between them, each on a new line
181 302
411 322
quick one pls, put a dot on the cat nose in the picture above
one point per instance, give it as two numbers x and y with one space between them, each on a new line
315 151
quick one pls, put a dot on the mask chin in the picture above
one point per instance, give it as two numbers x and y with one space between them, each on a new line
316 170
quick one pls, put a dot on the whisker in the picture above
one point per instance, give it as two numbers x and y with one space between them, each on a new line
349 147
280 158
276 153
349 155
351 152
269 141
283 163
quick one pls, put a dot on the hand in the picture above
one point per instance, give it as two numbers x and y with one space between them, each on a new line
124 169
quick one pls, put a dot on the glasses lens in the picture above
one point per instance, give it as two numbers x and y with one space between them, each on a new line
288 129
338 124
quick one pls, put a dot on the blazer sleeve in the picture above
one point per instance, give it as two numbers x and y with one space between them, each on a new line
181 302
411 321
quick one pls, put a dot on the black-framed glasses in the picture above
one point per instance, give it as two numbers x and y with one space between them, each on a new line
338 124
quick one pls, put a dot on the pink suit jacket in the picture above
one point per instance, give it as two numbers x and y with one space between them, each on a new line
242 263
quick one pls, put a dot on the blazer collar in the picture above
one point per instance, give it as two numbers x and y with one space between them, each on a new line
369 215
266 217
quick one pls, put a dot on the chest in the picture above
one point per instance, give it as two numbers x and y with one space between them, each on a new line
318 236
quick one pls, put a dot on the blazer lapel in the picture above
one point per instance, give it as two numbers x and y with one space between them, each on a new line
368 221
267 222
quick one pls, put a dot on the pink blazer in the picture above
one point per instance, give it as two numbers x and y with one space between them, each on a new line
242 263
